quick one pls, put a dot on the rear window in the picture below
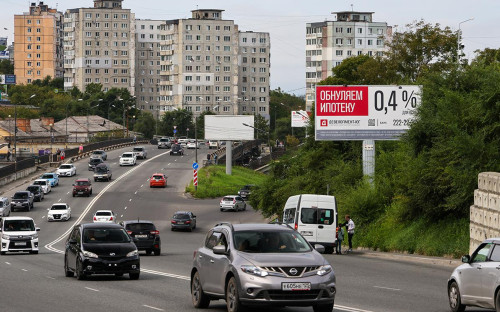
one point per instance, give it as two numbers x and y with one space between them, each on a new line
47 176
157 177
95 161
137 227
40 182
98 152
103 213
228 199
82 183
181 216
164 140
316 216
101 169
33 188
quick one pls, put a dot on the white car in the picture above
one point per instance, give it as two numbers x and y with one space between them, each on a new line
45 184
192 144
128 159
58 212
105 216
66 170
213 144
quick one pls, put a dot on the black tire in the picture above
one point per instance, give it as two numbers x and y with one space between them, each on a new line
157 252
90 192
323 307
79 271
245 207
222 210
67 272
95 180
149 252
134 276
198 297
455 300
73 195
2 253
497 301
329 250
233 302
172 229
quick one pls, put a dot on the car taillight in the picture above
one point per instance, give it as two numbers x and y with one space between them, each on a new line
95 219
296 226
188 222
174 222
194 254
155 232
129 232
111 219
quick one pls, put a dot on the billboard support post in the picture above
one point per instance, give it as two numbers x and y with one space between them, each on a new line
369 159
229 157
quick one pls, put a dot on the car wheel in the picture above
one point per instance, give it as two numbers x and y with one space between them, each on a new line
34 252
67 272
157 252
2 253
245 207
455 299
200 300
329 250
134 276
232 296
221 209
90 192
95 180
79 271
73 195
323 307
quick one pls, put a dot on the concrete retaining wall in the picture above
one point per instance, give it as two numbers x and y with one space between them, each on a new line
485 213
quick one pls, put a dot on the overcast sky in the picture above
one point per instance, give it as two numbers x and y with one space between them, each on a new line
285 20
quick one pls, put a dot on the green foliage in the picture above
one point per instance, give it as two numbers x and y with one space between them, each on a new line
146 124
213 181
280 106
182 119
262 124
6 67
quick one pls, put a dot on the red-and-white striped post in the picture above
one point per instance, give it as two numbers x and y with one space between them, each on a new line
195 179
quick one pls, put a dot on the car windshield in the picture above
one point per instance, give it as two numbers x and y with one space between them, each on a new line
176 147
102 169
105 236
127 155
164 140
47 176
137 227
181 216
65 167
98 152
40 182
21 195
82 183
58 207
138 149
33 189
270 242
18 225
103 213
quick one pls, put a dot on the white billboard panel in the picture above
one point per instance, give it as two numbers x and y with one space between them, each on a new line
365 112
300 119
229 127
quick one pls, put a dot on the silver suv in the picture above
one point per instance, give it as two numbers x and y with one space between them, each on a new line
255 264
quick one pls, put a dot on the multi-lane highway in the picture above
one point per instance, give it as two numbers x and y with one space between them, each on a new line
37 282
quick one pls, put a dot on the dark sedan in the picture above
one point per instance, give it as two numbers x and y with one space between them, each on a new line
145 235
100 248
183 220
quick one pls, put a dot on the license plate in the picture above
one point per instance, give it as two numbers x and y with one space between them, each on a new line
306 233
295 286
103 219
141 236
20 244
80 193
180 222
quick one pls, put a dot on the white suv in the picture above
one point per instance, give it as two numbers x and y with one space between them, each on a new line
128 158
18 234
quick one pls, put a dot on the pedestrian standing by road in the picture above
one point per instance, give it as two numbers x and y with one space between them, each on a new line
215 159
135 138
340 239
208 159
349 224
80 149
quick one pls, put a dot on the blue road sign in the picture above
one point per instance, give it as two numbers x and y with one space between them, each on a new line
175 130
10 79
195 166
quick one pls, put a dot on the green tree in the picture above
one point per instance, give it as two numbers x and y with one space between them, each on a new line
262 124
146 124
6 67
182 119
200 124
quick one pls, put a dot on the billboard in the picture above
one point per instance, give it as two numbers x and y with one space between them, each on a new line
229 127
7 79
364 112
300 119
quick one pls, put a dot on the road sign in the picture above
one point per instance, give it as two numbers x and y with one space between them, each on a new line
195 177
365 112
175 131
56 91
195 166
10 79
300 119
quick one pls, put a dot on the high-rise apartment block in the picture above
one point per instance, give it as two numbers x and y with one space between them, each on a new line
329 43
38 49
99 46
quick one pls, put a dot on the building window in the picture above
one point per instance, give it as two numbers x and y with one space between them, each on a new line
349 30
338 29
370 42
360 30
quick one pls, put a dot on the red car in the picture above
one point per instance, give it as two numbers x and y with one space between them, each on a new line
158 179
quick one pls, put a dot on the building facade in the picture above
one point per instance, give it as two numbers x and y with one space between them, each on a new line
329 43
38 44
147 66
99 46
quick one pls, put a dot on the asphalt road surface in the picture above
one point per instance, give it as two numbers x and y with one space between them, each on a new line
37 282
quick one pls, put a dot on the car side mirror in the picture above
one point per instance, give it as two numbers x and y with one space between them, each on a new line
72 241
319 248
466 259
220 250
73 184
37 229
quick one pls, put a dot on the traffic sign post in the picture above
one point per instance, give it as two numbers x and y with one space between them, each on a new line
195 176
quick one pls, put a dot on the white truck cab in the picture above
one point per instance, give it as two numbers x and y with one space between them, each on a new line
314 217
18 234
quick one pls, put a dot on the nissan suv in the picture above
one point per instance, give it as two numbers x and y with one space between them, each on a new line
261 264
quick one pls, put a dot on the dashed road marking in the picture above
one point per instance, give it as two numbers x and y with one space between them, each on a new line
91 289
130 200
8 263
142 185
388 288
50 277
43 217
157 309
135 193
121 216
67 193
59 200
24 270
125 208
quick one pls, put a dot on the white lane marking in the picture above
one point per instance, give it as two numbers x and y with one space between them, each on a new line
125 208
389 288
121 216
142 185
50 245
50 277
59 200
43 217
135 193
67 193
8 263
169 164
186 278
91 289
344 308
175 160
24 270
157 309
130 200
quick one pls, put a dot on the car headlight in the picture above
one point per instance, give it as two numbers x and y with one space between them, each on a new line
133 253
325 269
5 236
251 269
89 254
34 236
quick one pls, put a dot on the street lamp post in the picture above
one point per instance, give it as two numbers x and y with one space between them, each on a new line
459 35
109 121
51 141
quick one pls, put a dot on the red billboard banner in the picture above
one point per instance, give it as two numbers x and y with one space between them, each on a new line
341 101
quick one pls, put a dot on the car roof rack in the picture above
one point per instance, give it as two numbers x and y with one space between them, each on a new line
225 223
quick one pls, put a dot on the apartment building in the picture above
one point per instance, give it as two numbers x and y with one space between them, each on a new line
38 44
99 46
147 66
328 43
254 73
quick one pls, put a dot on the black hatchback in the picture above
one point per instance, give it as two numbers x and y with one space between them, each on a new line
100 248
145 235
183 220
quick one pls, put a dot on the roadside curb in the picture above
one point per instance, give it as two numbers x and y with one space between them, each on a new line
367 253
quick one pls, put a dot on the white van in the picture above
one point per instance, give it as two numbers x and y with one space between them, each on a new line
18 234
314 217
